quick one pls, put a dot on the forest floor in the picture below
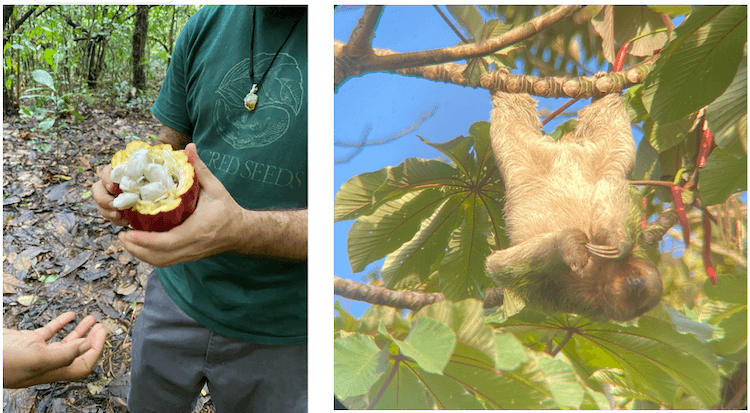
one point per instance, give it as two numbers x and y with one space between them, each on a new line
59 255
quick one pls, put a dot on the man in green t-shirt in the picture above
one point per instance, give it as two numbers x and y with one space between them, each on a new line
227 303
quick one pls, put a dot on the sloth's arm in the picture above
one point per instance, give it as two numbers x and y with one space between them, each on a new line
566 246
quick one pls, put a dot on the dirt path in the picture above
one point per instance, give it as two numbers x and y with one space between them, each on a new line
60 255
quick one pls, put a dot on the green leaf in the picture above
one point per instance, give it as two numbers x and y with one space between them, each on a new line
467 320
430 344
730 288
515 390
354 368
566 127
41 76
630 22
698 64
672 11
655 358
48 278
682 323
354 198
457 150
344 321
734 324
668 135
647 166
49 57
468 17
475 68
723 175
373 237
363 194
389 317
404 392
448 394
510 352
462 271
727 115
562 382
47 124
415 257
651 361
633 103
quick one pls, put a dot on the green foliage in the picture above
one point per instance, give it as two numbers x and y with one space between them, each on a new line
424 209
698 64
435 222
65 41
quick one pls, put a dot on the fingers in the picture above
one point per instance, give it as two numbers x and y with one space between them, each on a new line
80 329
108 184
62 354
88 351
97 336
157 249
101 191
49 331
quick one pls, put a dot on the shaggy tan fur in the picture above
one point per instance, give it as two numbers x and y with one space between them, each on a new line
564 200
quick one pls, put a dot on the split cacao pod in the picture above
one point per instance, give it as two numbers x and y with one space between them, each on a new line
155 187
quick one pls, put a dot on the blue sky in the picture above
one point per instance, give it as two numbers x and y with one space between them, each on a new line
388 103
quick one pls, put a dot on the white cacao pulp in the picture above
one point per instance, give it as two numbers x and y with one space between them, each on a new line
145 178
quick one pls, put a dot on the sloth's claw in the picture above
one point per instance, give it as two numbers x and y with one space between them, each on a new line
604 251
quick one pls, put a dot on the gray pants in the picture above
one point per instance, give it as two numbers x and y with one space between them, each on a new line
173 356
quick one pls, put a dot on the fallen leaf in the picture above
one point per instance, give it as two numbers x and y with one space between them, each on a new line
127 289
27 300
10 283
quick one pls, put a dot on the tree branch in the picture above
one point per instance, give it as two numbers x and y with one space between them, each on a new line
355 61
410 300
578 87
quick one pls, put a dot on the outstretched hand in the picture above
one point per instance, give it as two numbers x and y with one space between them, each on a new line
28 359
210 230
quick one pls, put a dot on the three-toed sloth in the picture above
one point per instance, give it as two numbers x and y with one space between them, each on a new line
567 211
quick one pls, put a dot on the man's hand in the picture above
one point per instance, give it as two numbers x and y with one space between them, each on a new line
219 224
210 230
28 359
102 193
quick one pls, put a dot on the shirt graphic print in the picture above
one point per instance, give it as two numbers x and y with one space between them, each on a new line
279 99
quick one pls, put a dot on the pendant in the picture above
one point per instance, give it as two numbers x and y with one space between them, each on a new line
251 99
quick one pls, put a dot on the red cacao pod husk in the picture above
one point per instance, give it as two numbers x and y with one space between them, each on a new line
180 203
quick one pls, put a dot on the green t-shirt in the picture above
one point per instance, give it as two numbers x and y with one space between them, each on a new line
259 156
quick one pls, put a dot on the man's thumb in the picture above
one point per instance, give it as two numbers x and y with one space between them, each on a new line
205 177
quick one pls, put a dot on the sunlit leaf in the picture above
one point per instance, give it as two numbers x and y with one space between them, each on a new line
655 359
416 256
562 382
430 344
467 320
355 362
462 271
727 115
723 175
403 392
671 10
44 78
467 17
699 64
374 236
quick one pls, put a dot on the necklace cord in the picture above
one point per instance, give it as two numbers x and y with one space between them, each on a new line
252 42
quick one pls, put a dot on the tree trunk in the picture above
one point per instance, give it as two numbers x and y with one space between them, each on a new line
140 32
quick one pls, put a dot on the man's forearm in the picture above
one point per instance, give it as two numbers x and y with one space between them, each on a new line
278 234
168 135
